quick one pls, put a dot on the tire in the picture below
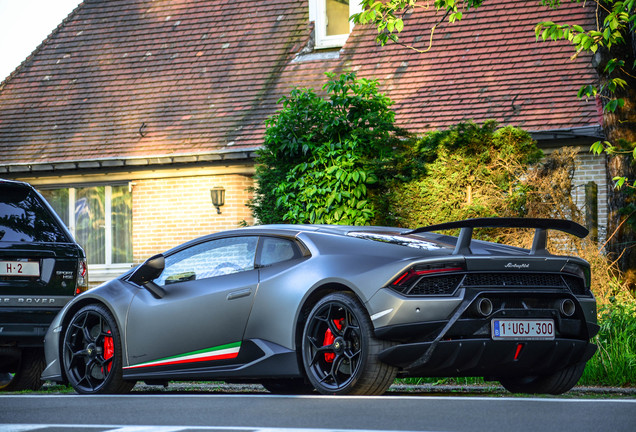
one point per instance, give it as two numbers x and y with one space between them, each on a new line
26 372
288 386
556 383
339 351
92 353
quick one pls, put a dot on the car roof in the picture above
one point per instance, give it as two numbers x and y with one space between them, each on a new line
285 230
331 229
19 184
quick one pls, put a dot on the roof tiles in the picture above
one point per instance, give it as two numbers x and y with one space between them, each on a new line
140 78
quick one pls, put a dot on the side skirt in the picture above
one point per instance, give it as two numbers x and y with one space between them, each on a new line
256 359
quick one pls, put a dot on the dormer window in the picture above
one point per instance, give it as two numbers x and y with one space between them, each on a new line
331 18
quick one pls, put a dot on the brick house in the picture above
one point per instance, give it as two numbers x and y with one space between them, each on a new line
132 110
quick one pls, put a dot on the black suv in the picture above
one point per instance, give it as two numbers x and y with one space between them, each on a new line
41 269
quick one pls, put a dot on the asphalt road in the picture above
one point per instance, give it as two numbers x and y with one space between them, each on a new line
260 412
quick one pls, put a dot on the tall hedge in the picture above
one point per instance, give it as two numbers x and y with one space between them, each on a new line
471 171
326 158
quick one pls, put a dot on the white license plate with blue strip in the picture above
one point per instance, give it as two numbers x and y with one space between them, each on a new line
522 329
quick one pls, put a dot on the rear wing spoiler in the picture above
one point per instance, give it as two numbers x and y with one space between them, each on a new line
541 226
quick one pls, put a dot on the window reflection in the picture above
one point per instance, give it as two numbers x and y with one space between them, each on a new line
90 224
23 218
121 220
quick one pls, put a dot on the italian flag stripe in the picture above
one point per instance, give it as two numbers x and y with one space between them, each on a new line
221 352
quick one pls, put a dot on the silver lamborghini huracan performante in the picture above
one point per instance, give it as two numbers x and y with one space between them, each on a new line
337 310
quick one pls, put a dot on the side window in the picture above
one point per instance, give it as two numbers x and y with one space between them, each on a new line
275 250
209 259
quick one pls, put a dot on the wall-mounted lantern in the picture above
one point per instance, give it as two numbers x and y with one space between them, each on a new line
218 198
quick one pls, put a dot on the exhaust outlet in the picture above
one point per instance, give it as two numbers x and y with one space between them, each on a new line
482 307
567 307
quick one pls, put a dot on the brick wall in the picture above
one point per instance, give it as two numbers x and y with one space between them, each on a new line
592 168
170 211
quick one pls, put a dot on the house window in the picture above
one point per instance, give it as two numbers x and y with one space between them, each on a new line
331 18
100 219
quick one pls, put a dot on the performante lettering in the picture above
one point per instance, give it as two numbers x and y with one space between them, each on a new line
518 266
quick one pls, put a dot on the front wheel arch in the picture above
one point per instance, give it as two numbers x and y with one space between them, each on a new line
68 316
92 351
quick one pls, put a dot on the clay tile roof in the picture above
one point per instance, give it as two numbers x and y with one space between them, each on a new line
144 78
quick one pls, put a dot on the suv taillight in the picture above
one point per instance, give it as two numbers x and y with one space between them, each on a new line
82 277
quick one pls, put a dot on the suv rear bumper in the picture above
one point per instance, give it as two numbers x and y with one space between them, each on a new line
22 327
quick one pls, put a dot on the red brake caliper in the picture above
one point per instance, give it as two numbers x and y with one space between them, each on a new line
329 338
109 350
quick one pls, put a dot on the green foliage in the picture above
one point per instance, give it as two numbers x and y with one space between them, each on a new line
330 188
614 364
288 138
323 157
471 171
387 15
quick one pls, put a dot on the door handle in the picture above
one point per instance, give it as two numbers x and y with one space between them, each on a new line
238 294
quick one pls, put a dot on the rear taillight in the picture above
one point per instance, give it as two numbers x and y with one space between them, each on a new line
408 282
82 277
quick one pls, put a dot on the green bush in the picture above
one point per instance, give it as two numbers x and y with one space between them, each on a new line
471 171
614 364
330 188
324 160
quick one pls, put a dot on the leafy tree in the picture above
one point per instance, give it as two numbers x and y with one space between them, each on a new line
325 159
613 43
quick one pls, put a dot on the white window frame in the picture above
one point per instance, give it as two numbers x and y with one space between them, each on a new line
108 270
318 14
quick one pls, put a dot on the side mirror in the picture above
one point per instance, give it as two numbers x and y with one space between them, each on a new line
151 269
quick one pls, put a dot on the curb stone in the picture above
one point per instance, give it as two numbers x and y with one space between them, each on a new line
494 390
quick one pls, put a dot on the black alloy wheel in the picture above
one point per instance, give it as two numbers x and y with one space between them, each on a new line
91 352
339 350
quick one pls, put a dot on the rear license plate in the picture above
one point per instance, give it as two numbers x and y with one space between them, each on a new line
19 268
522 329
